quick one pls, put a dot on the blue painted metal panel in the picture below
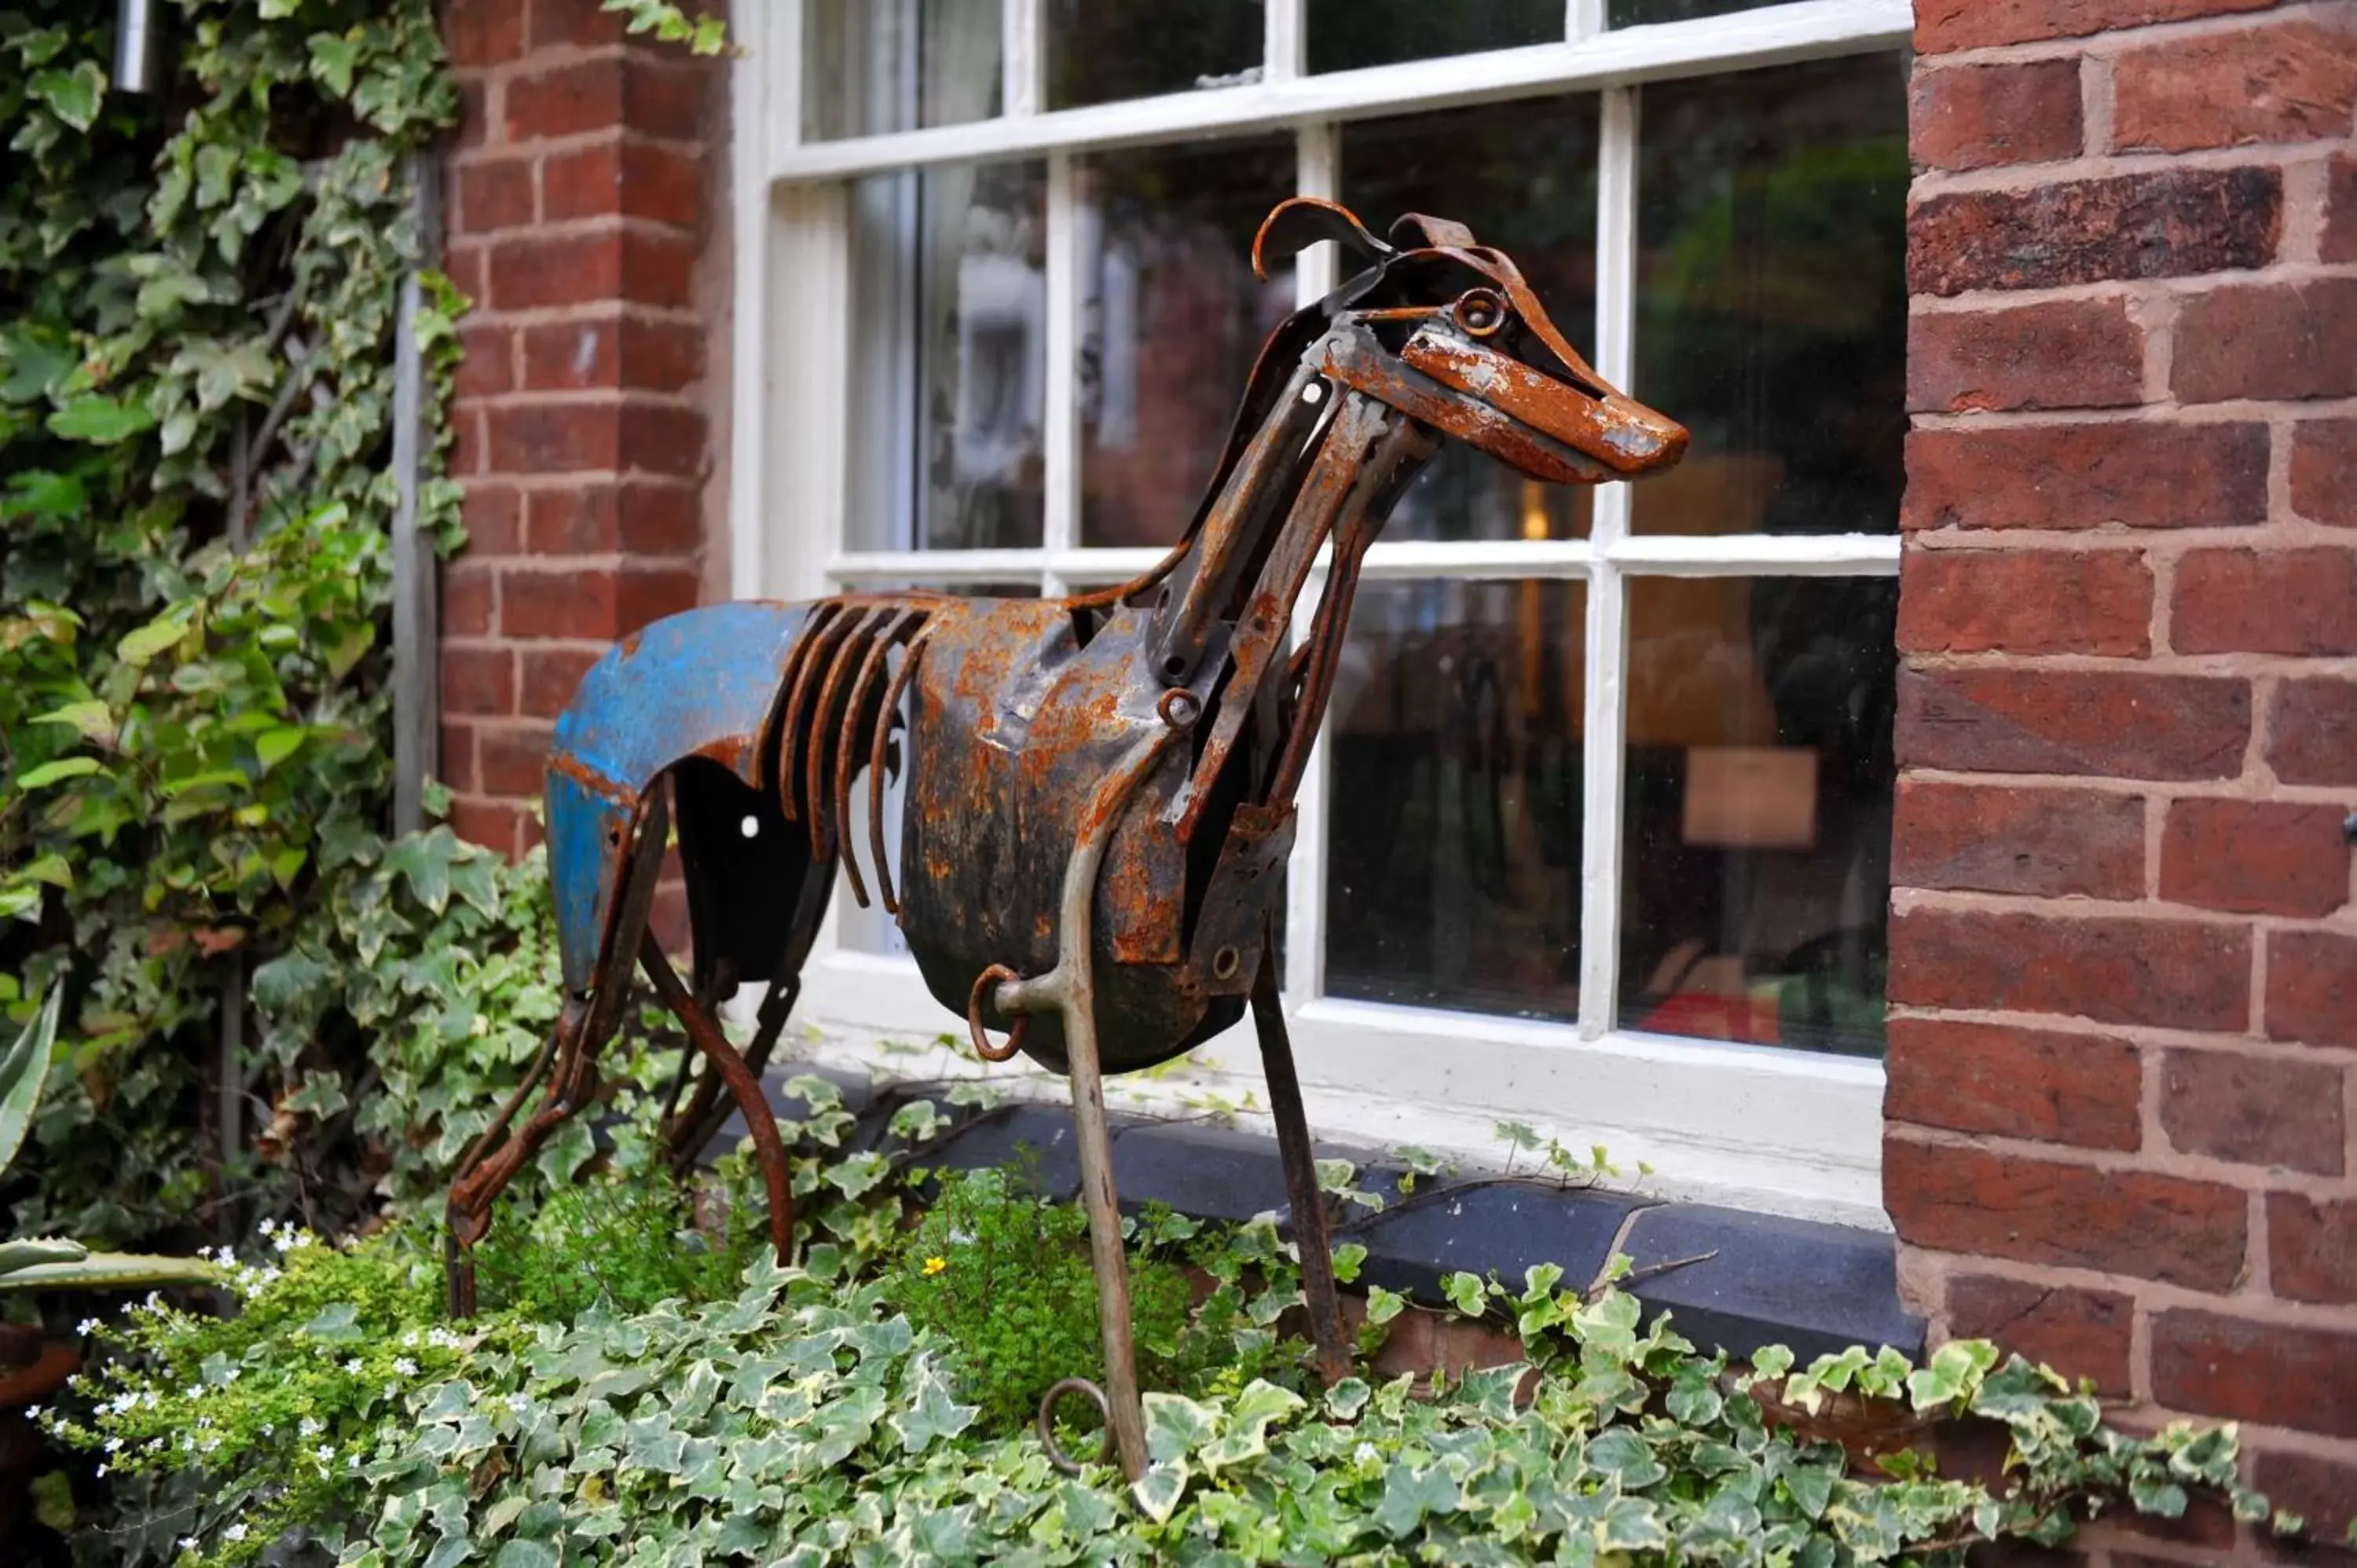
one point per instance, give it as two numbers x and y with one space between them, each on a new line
702 682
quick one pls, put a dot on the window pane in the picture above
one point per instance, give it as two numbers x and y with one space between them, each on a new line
1103 50
948 361
1637 13
1772 304
1347 34
1453 848
1171 320
1523 177
1757 826
874 66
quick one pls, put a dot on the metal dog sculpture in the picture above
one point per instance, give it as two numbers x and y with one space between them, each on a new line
1098 795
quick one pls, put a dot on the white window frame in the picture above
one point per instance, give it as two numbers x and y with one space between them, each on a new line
1783 1130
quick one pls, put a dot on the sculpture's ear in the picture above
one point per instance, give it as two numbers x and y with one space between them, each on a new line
1416 228
1300 221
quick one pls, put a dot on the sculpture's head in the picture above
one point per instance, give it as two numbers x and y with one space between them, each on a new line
1447 330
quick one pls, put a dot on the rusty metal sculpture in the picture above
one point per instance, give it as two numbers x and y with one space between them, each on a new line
1099 789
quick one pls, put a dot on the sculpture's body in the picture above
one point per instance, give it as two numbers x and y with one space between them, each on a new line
1100 790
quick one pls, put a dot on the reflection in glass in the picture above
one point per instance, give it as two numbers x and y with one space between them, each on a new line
1347 34
1772 306
1523 177
1756 863
877 66
1639 13
949 362
1171 320
1100 51
1453 856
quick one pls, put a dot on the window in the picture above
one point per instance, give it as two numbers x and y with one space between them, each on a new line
1598 832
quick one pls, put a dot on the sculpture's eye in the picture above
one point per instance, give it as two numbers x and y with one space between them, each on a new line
1479 311
751 827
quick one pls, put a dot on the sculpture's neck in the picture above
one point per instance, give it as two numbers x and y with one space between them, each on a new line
1325 462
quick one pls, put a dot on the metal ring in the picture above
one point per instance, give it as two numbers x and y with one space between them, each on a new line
1178 708
981 1037
1480 311
1064 1462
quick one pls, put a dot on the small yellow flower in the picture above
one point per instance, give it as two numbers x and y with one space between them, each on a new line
935 1265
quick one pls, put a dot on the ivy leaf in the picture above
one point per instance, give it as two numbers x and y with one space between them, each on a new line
332 60
57 772
1383 1305
336 1324
1409 1494
273 747
1348 1397
91 718
101 421
935 1416
138 647
1466 1292
73 95
1175 1426
1157 1491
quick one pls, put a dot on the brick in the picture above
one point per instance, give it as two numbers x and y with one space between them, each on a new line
2206 1363
2319 1488
2024 601
2340 238
2300 602
627 179
2312 1248
483 32
556 22
474 123
2252 1110
574 603
2078 1332
467 445
650 593
2041 1084
651 97
2049 842
2094 723
2312 732
579 436
2167 223
493 195
639 518
1967 117
467 266
467 599
1943 25
2076 353
2178 975
628 352
2324 471
477 680
510 759
2293 80
484 370
2139 1223
2271 340
494 824
2312 987
631 265
493 515
2143 473
2258 857
454 763
551 676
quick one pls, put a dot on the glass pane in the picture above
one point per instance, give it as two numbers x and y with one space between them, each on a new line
1771 301
1103 50
1757 826
1453 850
1347 34
1638 12
1523 177
874 66
1171 320
949 358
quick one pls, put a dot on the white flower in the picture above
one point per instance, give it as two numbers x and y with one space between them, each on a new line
353 1366
196 1391
101 1472
1365 1453
211 1441
356 1461
33 1410
327 1452
114 1446
391 1391
286 1241
234 1533
311 1427
519 1403
409 1340
86 1328
267 1225
187 1544
404 1366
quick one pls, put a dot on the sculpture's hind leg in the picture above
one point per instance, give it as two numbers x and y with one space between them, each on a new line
1303 1195
568 1064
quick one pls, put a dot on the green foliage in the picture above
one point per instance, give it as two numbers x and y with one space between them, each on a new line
1003 1275
811 1416
193 700
703 35
620 1245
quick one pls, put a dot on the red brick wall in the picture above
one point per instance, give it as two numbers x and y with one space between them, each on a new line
582 195
2123 955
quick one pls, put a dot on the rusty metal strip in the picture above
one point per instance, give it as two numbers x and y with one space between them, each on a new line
890 706
860 705
830 730
822 615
